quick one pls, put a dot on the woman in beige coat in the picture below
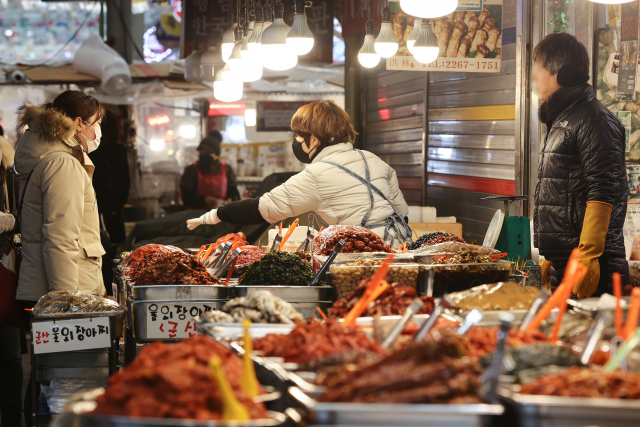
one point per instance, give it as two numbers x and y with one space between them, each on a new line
60 227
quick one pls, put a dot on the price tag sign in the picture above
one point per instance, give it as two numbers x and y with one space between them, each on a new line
70 334
171 320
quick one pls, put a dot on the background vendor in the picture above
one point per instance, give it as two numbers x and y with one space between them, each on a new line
209 182
342 185
581 196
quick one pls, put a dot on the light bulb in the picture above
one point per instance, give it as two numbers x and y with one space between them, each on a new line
386 44
255 36
156 144
251 68
235 60
414 34
226 74
230 90
426 49
250 117
228 40
209 60
367 56
300 38
193 67
275 55
187 131
429 8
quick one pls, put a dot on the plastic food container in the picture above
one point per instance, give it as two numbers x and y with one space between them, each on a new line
447 278
345 277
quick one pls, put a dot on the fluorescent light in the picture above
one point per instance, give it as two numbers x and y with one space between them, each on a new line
156 144
187 131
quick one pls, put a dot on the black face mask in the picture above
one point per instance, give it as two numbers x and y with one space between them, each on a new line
205 160
301 155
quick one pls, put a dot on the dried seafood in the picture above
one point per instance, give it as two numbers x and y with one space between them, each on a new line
259 307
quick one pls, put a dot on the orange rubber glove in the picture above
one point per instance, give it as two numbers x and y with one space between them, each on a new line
594 234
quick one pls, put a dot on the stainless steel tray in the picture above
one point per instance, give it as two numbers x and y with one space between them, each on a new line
556 411
293 294
139 312
226 331
489 319
76 416
374 414
180 293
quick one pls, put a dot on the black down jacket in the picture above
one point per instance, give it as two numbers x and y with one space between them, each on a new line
582 160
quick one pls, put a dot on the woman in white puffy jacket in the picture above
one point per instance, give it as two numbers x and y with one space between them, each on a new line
342 185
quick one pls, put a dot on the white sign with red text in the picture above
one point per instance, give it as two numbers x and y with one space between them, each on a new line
174 320
70 334
469 65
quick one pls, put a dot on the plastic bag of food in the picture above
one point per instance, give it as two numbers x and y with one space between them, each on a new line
60 390
75 304
495 296
357 239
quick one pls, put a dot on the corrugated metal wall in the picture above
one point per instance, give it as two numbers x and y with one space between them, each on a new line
470 125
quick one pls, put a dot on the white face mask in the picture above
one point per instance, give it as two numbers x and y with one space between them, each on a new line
93 144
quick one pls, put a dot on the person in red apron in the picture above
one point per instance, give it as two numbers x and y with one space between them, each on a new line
209 182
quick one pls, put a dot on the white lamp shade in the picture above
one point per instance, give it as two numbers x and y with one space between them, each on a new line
193 68
209 61
414 34
426 49
226 74
235 60
368 57
255 35
428 8
228 91
277 57
386 44
228 40
300 38
250 117
426 55
187 131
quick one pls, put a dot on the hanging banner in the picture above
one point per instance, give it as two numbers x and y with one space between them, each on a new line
628 52
470 39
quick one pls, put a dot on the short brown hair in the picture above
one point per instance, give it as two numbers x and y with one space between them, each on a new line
326 121
560 49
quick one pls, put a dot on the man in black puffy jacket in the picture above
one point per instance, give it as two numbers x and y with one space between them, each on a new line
581 195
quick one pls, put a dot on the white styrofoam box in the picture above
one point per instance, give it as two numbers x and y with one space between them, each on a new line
415 214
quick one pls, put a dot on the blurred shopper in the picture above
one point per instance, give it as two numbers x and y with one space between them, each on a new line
581 195
111 183
209 182
342 185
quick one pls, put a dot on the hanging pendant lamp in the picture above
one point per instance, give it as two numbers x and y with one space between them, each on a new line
428 8
386 43
426 48
367 56
275 54
300 38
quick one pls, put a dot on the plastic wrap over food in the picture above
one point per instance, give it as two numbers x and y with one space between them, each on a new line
60 390
357 239
495 296
75 304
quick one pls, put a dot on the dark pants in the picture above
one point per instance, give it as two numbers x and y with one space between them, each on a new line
10 376
608 266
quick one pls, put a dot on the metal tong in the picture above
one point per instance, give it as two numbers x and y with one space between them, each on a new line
224 267
414 308
594 335
327 264
542 297
218 261
492 375
211 258
307 245
276 242
445 302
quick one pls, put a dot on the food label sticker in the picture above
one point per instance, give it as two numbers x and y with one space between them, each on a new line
70 334
171 320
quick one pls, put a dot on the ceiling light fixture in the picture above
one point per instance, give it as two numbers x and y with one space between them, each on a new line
228 38
251 68
367 56
252 41
414 34
426 49
227 90
430 8
386 43
275 54
235 60
300 38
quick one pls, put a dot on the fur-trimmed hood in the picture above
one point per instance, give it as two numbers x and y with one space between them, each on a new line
49 131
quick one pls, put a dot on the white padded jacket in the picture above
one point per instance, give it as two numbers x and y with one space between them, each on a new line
335 196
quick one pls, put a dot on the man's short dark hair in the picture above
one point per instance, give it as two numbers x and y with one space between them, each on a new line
1 131
560 49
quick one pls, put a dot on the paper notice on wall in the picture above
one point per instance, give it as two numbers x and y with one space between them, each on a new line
470 39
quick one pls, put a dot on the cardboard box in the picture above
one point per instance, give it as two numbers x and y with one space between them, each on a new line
421 228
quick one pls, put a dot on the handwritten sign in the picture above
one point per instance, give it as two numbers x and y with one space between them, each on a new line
171 320
70 334
469 65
